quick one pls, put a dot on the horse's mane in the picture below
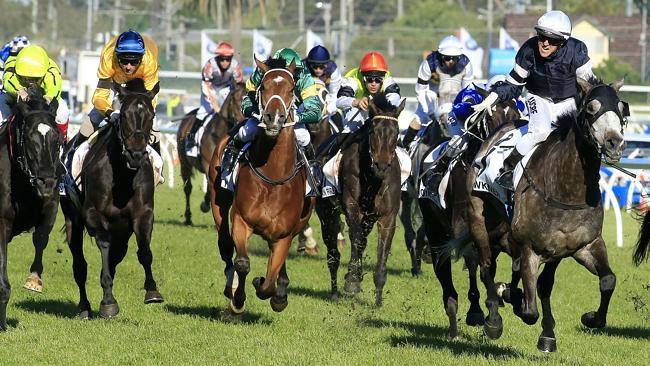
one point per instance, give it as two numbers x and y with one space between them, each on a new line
567 122
136 85
275 63
36 98
381 102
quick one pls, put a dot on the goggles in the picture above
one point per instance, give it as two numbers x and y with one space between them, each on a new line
450 58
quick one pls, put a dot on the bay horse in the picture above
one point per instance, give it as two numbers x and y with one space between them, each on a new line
559 188
31 168
117 199
369 176
269 198
443 224
229 115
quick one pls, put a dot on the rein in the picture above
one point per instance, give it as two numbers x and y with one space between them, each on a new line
550 200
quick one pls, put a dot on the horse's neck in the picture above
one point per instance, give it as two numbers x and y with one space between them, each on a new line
274 157
572 169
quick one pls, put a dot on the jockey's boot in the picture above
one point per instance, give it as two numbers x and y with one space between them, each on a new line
231 153
315 169
505 178
338 121
408 137
190 139
438 171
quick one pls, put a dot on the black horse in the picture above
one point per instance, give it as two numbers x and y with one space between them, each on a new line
643 243
557 213
369 178
30 166
443 224
117 199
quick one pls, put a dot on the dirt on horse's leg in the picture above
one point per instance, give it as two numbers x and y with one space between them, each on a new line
241 232
594 258
265 286
386 230
546 341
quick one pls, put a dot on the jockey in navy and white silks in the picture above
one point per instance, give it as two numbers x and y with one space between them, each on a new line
444 72
324 71
548 65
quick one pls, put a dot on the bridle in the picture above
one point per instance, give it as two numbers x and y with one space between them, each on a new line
381 117
20 154
288 108
138 130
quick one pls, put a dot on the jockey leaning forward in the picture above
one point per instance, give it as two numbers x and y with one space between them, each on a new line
444 72
30 66
220 75
306 93
325 71
548 65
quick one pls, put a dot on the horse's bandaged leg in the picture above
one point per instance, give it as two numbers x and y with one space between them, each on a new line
157 165
331 174
78 162
405 165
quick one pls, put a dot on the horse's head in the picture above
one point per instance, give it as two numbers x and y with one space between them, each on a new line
383 133
38 140
605 115
136 120
275 95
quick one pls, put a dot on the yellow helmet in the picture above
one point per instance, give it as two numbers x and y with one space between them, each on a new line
32 61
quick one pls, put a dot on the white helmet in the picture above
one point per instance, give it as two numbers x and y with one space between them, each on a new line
495 79
18 43
554 24
450 46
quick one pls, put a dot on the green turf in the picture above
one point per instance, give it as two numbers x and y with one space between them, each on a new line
409 329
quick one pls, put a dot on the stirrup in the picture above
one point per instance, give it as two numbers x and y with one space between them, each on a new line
505 180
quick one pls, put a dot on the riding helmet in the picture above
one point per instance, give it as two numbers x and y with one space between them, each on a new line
554 24
225 49
450 46
318 55
130 44
289 55
32 61
373 61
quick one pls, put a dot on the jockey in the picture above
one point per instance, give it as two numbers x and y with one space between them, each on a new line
124 58
306 93
32 65
11 49
548 65
445 71
220 74
325 71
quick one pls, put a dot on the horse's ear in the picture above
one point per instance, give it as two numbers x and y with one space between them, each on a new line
372 108
584 85
482 92
401 106
120 89
154 91
618 84
292 67
261 65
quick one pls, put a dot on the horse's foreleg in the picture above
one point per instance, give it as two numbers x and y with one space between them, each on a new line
386 229
5 287
240 235
40 239
108 307
530 262
266 287
74 233
546 342
186 175
329 221
594 258
142 226
409 232
475 314
358 242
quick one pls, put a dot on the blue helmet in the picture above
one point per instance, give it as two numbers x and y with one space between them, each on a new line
131 43
318 55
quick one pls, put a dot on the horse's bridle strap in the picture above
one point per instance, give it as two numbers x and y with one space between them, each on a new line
385 117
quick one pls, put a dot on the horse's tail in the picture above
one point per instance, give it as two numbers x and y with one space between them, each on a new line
457 248
642 245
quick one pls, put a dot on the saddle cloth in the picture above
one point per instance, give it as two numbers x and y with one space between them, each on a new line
331 172
194 151
491 162
82 150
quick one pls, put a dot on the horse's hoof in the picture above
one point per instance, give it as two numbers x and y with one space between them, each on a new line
257 282
205 207
475 319
279 303
188 222
109 311
153 296
591 320
85 315
379 301
351 288
546 344
234 310
416 272
493 331
334 296
311 251
34 283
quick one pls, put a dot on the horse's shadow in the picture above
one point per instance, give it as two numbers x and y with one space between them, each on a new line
310 292
181 223
626 332
217 314
435 337
59 308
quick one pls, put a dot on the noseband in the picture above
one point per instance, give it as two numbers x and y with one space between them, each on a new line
262 105
388 118
138 130
21 156
582 115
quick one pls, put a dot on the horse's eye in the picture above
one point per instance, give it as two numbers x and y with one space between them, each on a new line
593 107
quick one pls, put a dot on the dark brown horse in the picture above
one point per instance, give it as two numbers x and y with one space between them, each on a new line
29 172
229 115
369 177
559 188
269 198
643 244
443 224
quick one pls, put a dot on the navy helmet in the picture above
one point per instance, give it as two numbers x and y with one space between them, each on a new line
130 45
318 55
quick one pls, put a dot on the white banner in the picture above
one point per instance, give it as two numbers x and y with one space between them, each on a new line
312 40
262 46
208 48
506 42
472 51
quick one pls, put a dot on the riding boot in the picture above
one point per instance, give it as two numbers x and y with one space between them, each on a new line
231 153
505 178
438 172
315 169
190 139
408 137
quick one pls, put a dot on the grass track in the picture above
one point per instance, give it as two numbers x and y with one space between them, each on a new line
409 329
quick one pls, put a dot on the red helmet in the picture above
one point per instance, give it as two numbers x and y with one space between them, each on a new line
373 61
224 49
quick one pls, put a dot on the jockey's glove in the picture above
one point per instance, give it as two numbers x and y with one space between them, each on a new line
23 94
487 103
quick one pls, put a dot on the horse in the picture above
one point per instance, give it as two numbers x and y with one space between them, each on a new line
269 198
117 199
443 224
369 177
559 188
30 165
217 127
643 243
410 215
